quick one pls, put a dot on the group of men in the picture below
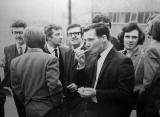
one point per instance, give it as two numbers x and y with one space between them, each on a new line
90 78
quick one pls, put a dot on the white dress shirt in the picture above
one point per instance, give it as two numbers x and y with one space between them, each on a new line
100 62
23 48
51 50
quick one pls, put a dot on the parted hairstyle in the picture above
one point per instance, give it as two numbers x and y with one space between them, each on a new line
74 26
100 29
34 37
130 27
48 30
18 23
155 28
101 19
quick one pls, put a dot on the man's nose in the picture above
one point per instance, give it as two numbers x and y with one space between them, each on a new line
73 35
87 44
18 34
60 37
130 39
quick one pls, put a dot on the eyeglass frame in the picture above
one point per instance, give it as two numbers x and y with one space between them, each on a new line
74 33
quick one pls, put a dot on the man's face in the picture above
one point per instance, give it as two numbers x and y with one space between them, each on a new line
131 39
75 36
17 33
93 43
56 37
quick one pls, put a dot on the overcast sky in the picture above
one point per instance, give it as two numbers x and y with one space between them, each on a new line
54 11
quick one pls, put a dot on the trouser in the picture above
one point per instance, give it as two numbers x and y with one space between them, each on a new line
20 107
2 102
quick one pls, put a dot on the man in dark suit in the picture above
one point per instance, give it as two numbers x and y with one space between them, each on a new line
74 34
54 47
12 51
109 74
35 77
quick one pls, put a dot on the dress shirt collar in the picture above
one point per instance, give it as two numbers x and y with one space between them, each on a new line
106 51
23 47
34 50
51 49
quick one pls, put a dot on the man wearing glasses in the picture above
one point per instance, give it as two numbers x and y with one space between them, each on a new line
76 42
12 51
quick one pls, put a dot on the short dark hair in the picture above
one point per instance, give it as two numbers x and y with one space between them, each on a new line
128 28
101 19
19 23
100 29
48 29
34 38
75 25
155 29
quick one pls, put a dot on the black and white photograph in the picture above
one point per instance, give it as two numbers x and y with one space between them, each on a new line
79 58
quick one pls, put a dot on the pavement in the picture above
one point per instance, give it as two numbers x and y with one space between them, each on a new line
10 108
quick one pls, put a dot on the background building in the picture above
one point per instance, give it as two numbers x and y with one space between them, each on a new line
123 11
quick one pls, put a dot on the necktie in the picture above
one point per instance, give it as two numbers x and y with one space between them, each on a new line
56 53
95 71
20 51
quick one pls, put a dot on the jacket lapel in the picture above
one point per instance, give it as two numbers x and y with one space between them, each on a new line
15 53
26 49
61 52
46 49
106 62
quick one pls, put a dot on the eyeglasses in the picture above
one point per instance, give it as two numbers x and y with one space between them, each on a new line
74 33
18 32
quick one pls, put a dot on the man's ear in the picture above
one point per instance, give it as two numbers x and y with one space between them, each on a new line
104 38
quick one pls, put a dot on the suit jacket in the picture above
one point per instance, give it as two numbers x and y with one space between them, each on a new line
149 98
115 42
35 80
151 62
136 58
71 74
10 52
115 85
62 52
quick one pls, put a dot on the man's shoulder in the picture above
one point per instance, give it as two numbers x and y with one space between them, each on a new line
48 56
120 56
10 47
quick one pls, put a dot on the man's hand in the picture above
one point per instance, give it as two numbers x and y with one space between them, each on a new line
80 56
87 92
142 89
7 91
72 87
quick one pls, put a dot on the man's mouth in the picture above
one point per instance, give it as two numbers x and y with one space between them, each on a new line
74 39
130 44
20 39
